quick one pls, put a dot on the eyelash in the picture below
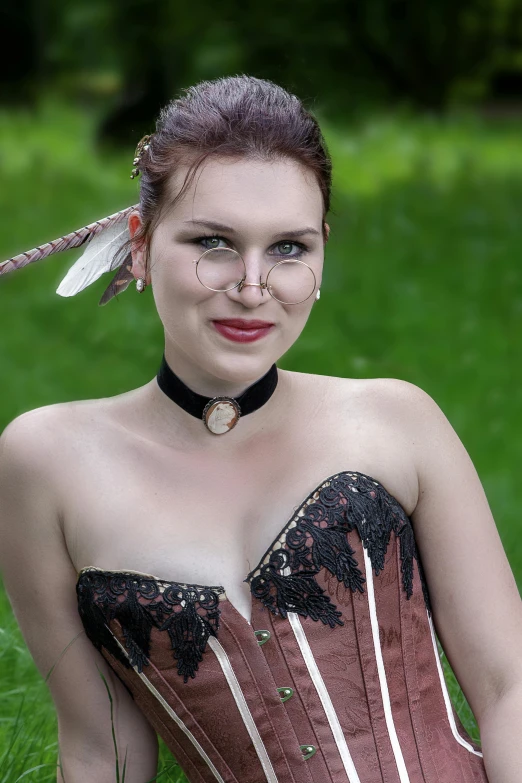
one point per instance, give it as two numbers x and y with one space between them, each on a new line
302 248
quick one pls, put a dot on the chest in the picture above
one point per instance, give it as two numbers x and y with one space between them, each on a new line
214 531
196 519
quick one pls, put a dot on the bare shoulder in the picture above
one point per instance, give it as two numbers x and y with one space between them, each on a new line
52 421
31 432
39 428
416 414
404 409
379 396
40 438
381 391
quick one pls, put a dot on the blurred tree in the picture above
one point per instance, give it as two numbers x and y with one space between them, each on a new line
342 52
422 49
162 48
22 53
505 75
148 51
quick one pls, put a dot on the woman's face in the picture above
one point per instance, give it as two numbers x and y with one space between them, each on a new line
267 212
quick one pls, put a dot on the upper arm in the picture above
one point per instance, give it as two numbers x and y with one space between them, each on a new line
40 581
477 610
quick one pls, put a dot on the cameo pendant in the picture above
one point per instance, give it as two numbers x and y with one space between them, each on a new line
221 414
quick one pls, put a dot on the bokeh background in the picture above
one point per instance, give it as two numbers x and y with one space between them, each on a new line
421 105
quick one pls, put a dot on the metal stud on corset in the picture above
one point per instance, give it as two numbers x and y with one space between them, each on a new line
262 637
285 693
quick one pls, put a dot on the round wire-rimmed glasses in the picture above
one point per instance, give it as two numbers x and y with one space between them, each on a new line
222 269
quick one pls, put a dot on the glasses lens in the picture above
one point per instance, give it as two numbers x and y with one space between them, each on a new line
291 282
220 269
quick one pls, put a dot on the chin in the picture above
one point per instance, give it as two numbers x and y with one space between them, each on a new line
241 369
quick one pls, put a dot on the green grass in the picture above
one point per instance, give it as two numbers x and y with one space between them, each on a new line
422 281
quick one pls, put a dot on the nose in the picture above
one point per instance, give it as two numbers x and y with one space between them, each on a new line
253 292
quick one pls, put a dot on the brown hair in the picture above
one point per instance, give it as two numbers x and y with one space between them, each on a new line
234 117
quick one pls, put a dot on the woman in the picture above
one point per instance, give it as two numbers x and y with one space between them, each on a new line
242 545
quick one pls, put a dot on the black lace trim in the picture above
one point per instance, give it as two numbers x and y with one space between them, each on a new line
189 614
318 539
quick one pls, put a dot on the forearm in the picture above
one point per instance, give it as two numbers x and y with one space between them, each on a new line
501 738
80 772
86 755
74 770
101 767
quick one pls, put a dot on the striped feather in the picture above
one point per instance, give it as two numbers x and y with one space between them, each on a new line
74 239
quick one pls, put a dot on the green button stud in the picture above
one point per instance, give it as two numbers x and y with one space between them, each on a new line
285 693
262 636
307 751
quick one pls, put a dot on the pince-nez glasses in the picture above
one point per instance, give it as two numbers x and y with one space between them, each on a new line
288 281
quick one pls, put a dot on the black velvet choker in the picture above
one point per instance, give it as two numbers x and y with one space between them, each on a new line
219 414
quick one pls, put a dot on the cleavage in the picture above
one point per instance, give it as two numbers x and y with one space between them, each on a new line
185 543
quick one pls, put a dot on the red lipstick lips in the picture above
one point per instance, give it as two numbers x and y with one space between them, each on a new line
242 330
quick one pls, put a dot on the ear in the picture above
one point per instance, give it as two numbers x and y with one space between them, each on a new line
326 232
138 251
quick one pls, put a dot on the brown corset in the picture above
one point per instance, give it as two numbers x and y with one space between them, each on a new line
338 677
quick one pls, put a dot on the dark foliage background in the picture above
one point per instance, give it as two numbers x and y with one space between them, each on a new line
133 55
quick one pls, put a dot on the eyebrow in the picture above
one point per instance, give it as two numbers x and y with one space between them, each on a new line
299 232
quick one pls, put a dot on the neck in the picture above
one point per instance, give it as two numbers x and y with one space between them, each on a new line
174 428
219 414
210 385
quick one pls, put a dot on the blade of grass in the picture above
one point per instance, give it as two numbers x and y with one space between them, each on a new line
112 726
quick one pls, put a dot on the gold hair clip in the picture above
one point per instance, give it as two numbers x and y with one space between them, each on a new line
141 147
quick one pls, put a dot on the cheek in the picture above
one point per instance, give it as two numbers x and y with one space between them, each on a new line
173 271
177 292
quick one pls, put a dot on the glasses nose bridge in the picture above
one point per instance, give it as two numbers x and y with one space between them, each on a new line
253 275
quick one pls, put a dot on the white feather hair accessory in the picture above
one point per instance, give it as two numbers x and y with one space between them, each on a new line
105 239
98 257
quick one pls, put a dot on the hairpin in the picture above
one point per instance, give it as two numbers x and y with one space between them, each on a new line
142 146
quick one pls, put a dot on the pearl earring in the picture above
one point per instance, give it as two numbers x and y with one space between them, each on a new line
318 294
140 284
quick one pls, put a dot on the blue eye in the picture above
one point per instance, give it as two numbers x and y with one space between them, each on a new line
285 249
209 243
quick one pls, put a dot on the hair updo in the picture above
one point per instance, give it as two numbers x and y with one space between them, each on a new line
231 117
